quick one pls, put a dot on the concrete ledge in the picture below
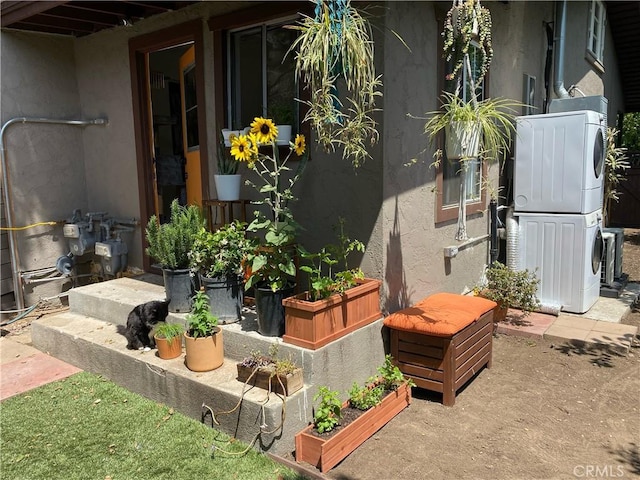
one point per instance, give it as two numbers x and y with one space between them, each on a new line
95 346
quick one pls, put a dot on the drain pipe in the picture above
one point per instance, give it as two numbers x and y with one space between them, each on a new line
13 248
493 249
558 66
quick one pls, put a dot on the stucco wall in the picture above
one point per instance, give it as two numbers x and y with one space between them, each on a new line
389 206
45 163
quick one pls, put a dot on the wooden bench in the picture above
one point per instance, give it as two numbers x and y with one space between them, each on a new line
443 341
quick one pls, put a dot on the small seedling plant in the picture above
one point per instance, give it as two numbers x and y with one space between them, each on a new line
169 331
365 397
391 375
328 412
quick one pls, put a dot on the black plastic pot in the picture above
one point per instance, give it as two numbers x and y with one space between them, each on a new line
180 286
270 309
226 295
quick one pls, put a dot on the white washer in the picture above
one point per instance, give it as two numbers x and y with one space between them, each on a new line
566 252
559 162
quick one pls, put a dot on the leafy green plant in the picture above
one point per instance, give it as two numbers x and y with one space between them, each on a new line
336 44
171 242
365 397
328 412
272 263
391 375
511 288
494 117
169 331
323 281
615 164
201 322
272 361
221 253
467 22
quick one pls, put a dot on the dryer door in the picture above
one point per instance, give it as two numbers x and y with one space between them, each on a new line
597 251
598 153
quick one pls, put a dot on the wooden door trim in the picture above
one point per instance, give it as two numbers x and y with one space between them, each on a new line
139 47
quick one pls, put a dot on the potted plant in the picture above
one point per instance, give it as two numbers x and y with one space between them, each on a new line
227 180
218 257
271 372
283 117
337 302
271 268
169 245
168 337
474 128
333 46
338 429
510 288
203 338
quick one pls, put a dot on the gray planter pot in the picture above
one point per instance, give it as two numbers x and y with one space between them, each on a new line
226 296
179 287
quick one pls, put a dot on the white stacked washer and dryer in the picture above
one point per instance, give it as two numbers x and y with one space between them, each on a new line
558 193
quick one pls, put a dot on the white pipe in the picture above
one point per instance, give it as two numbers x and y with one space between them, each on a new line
13 247
558 65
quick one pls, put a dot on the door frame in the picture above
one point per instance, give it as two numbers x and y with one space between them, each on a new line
139 47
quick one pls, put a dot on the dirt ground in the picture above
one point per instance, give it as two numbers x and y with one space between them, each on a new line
544 411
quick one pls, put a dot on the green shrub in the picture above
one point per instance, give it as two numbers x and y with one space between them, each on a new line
202 323
365 397
328 413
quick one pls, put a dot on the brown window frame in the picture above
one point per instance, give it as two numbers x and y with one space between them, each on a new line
447 213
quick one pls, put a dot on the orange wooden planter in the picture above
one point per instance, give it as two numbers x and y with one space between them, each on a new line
314 324
326 453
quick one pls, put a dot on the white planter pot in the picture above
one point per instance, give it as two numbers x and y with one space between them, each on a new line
284 135
228 187
463 140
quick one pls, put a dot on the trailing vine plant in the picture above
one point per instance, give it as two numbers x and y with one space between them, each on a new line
335 48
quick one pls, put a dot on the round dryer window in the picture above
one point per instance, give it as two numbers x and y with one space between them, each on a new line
598 249
598 154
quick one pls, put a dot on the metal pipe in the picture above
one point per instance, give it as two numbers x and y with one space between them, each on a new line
513 252
13 247
558 66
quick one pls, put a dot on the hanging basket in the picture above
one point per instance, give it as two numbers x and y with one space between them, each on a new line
463 140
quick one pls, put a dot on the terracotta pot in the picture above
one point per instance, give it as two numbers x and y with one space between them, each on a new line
314 324
168 349
325 452
204 353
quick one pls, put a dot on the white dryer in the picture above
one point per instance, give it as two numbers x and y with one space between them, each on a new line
566 253
559 162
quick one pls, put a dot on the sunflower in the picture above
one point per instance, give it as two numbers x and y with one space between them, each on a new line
264 128
299 144
253 138
241 148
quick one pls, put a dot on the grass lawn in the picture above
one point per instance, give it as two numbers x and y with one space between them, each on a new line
85 427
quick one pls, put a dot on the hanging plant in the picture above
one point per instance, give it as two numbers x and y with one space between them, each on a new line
467 22
335 48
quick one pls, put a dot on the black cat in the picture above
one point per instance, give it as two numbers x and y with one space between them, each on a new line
142 321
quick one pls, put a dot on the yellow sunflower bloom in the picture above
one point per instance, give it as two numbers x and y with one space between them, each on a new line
241 148
265 130
253 138
299 144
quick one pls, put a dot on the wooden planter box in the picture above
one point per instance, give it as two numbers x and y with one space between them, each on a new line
314 324
265 376
326 453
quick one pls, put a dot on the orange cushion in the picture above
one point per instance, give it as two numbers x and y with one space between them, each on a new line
441 314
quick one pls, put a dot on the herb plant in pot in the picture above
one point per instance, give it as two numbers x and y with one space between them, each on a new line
510 288
168 337
169 245
271 266
218 257
203 338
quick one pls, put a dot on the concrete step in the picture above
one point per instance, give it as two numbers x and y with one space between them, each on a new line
96 346
87 337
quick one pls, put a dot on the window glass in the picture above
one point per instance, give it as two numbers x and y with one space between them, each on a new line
597 25
262 80
191 107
